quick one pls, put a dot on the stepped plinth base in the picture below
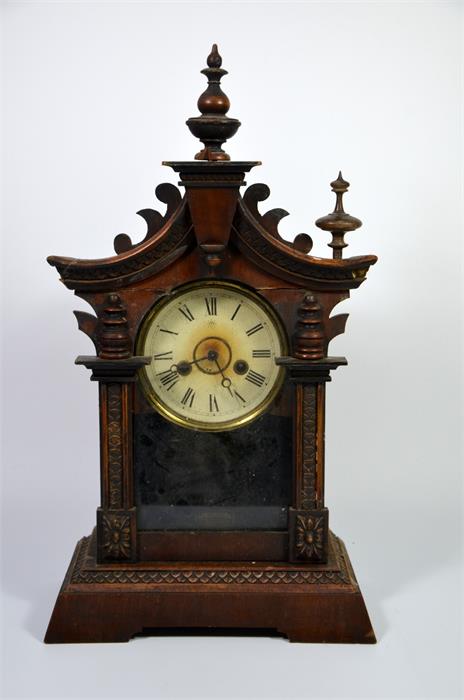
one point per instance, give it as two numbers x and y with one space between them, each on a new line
306 603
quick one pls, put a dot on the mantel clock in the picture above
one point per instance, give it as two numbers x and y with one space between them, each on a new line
211 357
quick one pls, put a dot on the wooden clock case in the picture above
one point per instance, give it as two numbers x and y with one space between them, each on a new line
297 579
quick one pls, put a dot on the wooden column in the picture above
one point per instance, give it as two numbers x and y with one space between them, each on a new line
309 371
308 517
116 517
115 369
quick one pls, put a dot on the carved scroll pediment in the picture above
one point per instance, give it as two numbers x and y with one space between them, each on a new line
166 193
257 237
259 192
168 238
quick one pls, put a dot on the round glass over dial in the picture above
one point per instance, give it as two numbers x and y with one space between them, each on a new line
213 347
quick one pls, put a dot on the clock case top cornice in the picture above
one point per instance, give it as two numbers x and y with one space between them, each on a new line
212 216
214 220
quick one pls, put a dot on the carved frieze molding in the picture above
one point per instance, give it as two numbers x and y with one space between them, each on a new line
85 572
114 445
308 475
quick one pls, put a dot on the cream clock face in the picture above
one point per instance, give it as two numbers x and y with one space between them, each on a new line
213 347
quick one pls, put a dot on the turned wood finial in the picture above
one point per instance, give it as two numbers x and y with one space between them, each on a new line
113 335
338 222
308 338
213 128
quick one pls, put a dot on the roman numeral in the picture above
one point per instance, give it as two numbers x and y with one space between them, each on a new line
211 306
165 330
163 356
235 312
255 378
261 353
168 378
187 313
239 397
188 397
213 405
255 329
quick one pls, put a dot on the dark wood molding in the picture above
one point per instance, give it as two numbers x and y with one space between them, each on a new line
104 370
312 371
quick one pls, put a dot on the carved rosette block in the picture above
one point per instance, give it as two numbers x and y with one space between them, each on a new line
116 535
309 535
308 339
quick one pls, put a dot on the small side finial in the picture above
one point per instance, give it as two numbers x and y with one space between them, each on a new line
113 337
213 127
308 339
338 222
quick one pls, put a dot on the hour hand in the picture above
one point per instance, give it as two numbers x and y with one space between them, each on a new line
184 367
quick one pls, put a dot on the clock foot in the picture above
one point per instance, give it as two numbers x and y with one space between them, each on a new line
304 602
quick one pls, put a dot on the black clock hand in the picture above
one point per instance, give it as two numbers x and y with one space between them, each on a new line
185 365
195 362
225 380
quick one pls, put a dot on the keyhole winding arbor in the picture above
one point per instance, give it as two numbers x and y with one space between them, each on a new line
276 566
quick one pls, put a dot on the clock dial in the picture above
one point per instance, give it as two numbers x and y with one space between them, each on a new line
213 347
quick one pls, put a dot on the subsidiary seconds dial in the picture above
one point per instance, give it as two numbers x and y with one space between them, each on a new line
213 347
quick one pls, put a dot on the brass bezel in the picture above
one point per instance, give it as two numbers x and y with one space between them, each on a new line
148 388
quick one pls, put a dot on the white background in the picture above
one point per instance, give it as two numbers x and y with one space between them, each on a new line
95 97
